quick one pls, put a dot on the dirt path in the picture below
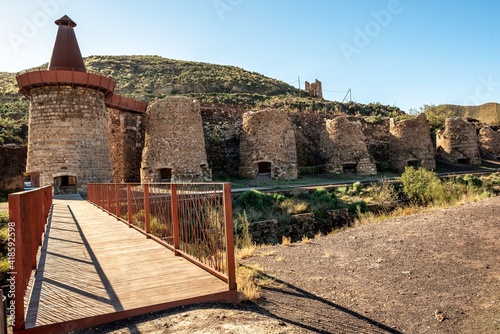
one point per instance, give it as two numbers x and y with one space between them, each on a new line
436 272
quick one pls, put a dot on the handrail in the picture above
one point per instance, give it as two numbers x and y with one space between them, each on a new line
28 213
194 220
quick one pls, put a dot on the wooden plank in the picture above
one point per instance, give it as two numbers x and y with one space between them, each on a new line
93 265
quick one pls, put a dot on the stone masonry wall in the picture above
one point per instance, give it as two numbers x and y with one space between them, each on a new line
174 140
458 142
410 143
268 136
377 139
12 166
68 135
222 128
343 143
489 142
126 136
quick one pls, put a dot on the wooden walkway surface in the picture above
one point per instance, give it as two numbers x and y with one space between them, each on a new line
94 269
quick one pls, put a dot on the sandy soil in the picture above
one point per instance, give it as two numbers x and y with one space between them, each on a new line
435 272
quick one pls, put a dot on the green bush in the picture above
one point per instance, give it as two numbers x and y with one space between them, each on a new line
254 199
421 186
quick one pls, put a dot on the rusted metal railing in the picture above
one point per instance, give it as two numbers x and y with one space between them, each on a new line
28 213
194 220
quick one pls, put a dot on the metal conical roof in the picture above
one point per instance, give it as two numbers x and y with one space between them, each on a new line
66 54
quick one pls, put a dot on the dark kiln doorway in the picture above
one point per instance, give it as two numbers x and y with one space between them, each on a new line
414 163
65 184
350 168
264 167
165 174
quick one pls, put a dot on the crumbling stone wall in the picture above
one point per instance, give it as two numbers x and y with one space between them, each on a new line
308 130
377 140
410 143
268 136
222 125
174 140
344 146
12 166
126 137
458 142
315 88
68 135
489 142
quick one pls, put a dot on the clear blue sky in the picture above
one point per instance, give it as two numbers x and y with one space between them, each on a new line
399 52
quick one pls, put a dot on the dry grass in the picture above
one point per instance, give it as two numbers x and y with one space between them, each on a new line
306 240
286 241
280 259
328 255
318 235
249 283
270 252
245 252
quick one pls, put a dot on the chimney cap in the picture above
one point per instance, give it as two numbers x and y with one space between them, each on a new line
65 21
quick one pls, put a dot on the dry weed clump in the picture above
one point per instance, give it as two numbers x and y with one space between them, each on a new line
247 281
286 241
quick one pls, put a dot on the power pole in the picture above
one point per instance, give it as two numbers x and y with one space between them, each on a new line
299 85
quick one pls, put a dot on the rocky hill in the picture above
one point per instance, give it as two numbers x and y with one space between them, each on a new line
488 113
153 77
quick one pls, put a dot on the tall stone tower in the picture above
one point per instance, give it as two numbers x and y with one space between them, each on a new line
68 143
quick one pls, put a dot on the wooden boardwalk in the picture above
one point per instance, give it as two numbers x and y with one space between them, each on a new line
93 269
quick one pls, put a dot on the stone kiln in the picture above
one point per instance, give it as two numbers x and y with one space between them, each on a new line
489 142
267 145
68 142
174 148
410 144
458 142
345 149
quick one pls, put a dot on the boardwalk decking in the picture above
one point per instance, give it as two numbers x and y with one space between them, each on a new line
93 269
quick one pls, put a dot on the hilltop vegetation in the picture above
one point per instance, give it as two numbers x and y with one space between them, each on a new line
152 77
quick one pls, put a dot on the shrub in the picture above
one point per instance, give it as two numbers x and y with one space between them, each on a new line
421 186
384 195
254 199
243 238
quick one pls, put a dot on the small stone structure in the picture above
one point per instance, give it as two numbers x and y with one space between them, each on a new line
458 142
345 148
315 89
267 145
489 142
126 137
174 149
410 144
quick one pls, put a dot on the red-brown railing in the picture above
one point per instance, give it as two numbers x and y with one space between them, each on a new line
28 213
194 220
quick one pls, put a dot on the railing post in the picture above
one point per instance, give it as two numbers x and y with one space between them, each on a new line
18 275
117 200
108 192
33 230
228 218
129 205
175 218
146 210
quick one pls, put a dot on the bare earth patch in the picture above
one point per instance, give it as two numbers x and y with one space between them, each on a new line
434 272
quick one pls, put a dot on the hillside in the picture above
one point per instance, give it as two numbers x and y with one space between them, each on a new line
488 113
153 77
